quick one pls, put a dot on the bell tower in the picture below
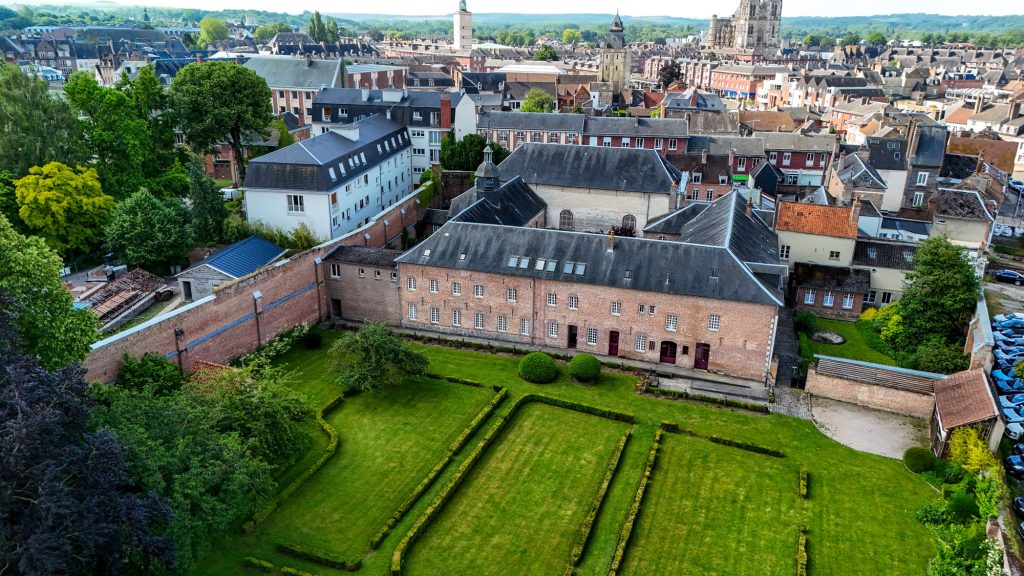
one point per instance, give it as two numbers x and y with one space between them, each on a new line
462 33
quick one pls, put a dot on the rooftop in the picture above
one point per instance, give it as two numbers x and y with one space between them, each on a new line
816 219
883 254
963 398
604 168
374 257
243 257
966 204
834 278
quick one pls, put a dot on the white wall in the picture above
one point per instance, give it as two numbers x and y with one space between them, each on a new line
465 118
895 183
595 210
271 207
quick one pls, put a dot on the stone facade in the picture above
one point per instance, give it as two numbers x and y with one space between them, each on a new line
200 282
753 28
668 328
870 395
614 58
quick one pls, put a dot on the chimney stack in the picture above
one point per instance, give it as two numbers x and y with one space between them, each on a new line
732 157
981 162
855 211
704 156
611 241
979 104
309 59
750 207
199 58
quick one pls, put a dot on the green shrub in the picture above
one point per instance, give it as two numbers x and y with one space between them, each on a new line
933 512
936 356
257 564
313 340
150 372
962 506
949 472
805 322
801 552
919 459
538 367
803 482
583 535
319 556
585 368
626 528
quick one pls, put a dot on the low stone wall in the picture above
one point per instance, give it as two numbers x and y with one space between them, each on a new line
870 395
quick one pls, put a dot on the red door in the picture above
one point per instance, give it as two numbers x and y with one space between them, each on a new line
668 352
613 343
700 356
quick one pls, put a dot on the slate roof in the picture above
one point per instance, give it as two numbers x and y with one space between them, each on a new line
887 153
856 170
633 264
931 145
958 166
963 398
656 127
721 145
285 72
243 257
836 278
917 227
547 122
354 96
882 254
328 160
725 223
476 82
673 222
365 255
682 101
964 204
766 120
514 203
797 142
816 219
606 168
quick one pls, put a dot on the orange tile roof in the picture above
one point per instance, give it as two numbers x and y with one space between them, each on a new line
960 115
963 398
816 219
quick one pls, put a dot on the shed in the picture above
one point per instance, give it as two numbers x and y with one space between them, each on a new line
964 399
230 263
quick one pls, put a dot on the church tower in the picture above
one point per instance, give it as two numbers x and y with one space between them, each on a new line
614 57
462 34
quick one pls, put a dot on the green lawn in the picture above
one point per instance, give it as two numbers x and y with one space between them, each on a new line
712 509
537 481
860 516
856 345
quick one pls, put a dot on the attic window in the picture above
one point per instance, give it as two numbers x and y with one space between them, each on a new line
462 256
426 252
540 264
629 274
362 157
714 272
513 261
896 155
908 256
872 253
524 262
567 267
551 265
581 267
334 177
341 166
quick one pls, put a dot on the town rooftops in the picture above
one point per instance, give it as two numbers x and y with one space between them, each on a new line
693 99
300 73
835 278
243 257
330 159
547 122
514 203
884 254
797 142
364 255
722 145
725 223
673 222
965 204
963 398
603 168
577 257
887 153
397 97
815 219
656 127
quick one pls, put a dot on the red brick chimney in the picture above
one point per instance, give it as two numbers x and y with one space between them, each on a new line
981 162
199 58
446 109
855 211
611 240
704 156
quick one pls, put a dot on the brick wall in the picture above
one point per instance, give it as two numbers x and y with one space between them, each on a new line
370 296
227 325
870 395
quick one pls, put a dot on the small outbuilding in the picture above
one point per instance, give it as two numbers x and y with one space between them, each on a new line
230 263
964 399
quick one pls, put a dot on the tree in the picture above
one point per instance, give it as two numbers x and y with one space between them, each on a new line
332 33
546 53
50 327
208 117
266 32
941 358
571 36
9 202
373 357
150 373
69 504
208 210
537 100
876 39
468 153
148 232
35 126
64 205
941 292
211 31
669 73
850 39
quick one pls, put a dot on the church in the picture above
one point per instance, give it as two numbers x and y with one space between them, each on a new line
752 33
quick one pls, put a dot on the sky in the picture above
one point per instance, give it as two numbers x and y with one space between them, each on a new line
684 8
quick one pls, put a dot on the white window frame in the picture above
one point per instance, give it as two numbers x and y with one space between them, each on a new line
848 301
810 297
918 199
640 343
834 254
552 299
671 322
828 299
786 158
574 302
433 286
412 311
616 308
502 323
524 326
335 270
478 321
510 294
922 178
478 291
435 315
410 284
456 288
592 336
296 204
673 143
552 329
714 322
456 317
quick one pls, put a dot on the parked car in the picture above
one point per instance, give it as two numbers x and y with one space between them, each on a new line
1010 386
1014 430
1017 185
1011 401
1018 505
1011 276
1014 414
1015 466
1017 449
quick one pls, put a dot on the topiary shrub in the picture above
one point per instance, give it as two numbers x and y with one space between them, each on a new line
312 340
538 367
919 459
585 368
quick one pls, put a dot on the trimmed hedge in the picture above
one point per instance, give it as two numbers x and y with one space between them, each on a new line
258 564
737 444
727 402
804 477
332 447
583 535
919 460
538 368
449 489
801 551
455 380
319 556
425 484
626 528
585 368
293 572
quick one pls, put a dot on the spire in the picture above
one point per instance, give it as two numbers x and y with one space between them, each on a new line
486 173
616 23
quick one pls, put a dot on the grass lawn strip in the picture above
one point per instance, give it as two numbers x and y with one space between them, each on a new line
714 509
856 345
626 530
524 504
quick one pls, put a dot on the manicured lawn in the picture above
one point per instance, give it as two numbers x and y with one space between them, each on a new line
525 500
855 347
712 509
860 516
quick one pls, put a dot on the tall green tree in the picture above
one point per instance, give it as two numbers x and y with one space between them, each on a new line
876 39
211 31
570 36
266 32
51 328
149 232
316 29
941 292
468 153
220 101
331 31
66 206
546 53
537 100
208 210
373 357
36 127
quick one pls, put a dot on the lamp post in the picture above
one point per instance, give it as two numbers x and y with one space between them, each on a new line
256 311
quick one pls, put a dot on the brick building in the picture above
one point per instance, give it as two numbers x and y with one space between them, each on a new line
362 284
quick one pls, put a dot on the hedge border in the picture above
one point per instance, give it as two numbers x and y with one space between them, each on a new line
319 556
726 402
583 534
258 564
802 557
332 447
804 481
626 528
755 448
431 476
449 489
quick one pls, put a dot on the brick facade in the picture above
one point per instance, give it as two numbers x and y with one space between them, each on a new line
872 396
838 309
362 293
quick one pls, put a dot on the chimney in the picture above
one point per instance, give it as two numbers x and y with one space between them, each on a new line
979 104
199 58
238 60
1011 109
981 162
693 97
446 110
309 59
611 241
855 211
732 157
750 207
704 156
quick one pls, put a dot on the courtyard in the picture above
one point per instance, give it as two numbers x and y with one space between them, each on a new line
474 471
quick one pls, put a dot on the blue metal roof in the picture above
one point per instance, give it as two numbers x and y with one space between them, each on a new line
244 257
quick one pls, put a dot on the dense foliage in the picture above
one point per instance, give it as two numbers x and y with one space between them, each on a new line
64 205
537 100
373 357
941 293
36 127
467 153
149 232
538 368
919 459
585 368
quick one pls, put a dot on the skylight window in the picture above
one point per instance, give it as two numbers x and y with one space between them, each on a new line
540 264
567 267
629 274
426 252
524 262
551 266
581 267
513 261
330 171
462 256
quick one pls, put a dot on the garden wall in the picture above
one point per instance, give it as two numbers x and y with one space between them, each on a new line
870 395
231 322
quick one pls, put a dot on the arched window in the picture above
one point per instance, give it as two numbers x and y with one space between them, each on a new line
565 220
629 222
